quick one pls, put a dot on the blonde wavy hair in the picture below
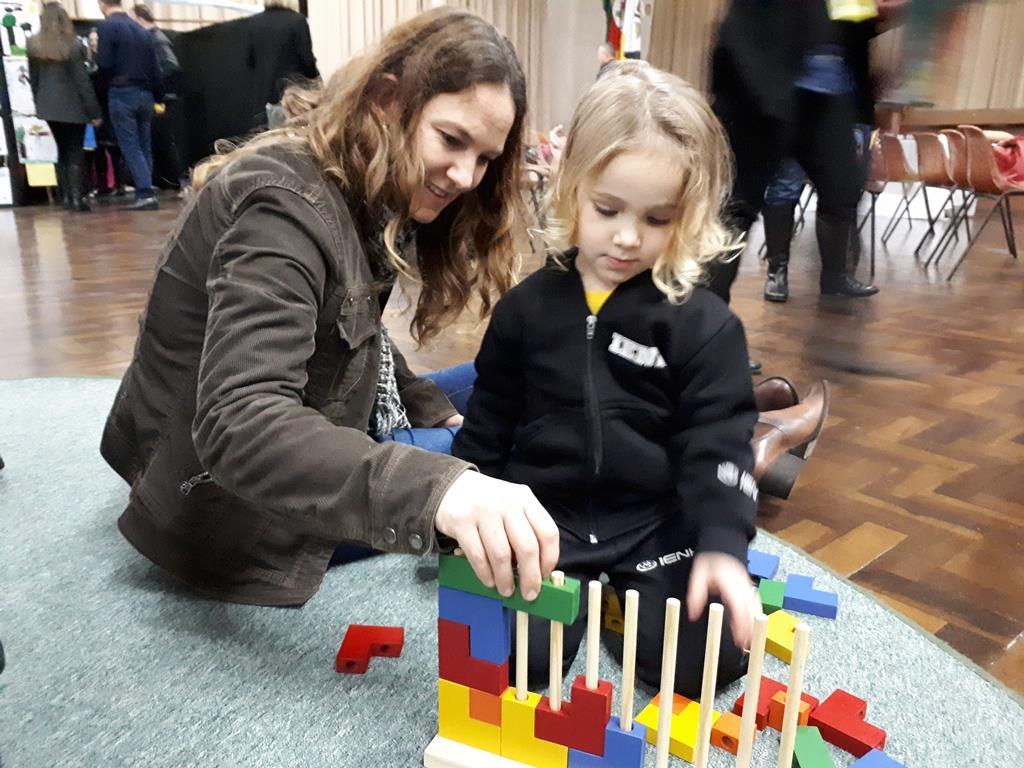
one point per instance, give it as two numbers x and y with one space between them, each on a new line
636 107
349 126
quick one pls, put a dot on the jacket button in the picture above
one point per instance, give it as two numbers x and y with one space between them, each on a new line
390 537
415 541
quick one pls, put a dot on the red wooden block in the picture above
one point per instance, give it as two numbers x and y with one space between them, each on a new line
581 722
455 663
363 641
840 719
484 707
769 688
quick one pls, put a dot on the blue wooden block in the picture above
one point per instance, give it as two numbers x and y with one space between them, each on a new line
761 565
801 596
490 622
621 749
876 759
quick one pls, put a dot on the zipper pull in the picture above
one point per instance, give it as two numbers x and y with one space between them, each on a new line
591 325
187 486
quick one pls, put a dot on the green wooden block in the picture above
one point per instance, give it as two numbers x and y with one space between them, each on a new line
554 603
772 593
811 751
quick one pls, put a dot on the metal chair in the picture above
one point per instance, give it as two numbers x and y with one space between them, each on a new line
989 182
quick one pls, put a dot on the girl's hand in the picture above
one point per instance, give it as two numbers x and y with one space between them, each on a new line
724 575
453 421
494 521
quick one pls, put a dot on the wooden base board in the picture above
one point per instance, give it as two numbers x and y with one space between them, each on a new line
445 753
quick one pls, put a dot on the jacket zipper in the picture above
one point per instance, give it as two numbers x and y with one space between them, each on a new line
200 479
593 418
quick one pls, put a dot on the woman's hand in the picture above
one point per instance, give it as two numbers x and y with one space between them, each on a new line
452 421
724 575
494 522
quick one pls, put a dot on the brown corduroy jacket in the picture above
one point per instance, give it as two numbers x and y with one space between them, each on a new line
241 423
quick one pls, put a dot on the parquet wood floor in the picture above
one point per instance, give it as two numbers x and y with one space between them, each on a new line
915 492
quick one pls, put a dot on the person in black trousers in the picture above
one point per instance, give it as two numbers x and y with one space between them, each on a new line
783 87
64 97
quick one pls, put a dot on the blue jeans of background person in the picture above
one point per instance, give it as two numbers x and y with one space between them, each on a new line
131 113
457 384
787 185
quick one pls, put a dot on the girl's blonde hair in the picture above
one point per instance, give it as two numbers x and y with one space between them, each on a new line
359 143
636 107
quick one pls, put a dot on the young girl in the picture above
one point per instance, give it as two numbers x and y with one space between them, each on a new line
616 388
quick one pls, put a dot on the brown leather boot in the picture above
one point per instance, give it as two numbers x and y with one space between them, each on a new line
774 394
784 440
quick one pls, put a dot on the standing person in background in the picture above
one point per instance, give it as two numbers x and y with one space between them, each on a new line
107 163
127 63
64 97
280 52
783 88
166 158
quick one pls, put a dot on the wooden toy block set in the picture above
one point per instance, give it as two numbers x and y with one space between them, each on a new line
483 722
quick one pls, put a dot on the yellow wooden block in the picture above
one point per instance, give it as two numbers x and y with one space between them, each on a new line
454 722
517 739
781 629
683 734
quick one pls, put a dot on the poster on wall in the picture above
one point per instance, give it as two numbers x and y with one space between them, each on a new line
19 87
18 22
6 198
35 140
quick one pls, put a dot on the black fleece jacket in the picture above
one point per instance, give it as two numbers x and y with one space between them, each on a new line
643 411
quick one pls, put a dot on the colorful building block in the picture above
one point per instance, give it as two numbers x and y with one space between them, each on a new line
611 610
683 734
761 565
725 734
772 594
810 750
518 743
556 603
490 622
679 702
445 753
840 718
768 689
454 721
781 629
621 749
363 641
581 721
876 759
777 709
484 707
801 596
455 663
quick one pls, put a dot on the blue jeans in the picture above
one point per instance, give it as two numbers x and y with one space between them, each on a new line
131 113
457 383
787 185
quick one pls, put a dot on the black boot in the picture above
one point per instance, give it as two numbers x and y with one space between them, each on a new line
833 242
778 234
76 188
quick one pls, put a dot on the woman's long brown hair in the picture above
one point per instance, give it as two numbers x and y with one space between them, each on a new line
468 250
56 35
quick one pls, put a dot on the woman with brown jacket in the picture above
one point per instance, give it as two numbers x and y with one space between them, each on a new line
244 421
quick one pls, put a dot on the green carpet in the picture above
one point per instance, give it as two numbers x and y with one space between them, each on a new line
110 663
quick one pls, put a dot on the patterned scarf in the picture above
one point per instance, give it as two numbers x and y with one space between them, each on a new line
388 412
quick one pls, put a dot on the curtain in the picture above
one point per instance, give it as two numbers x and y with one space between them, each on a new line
681 37
341 30
978 58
